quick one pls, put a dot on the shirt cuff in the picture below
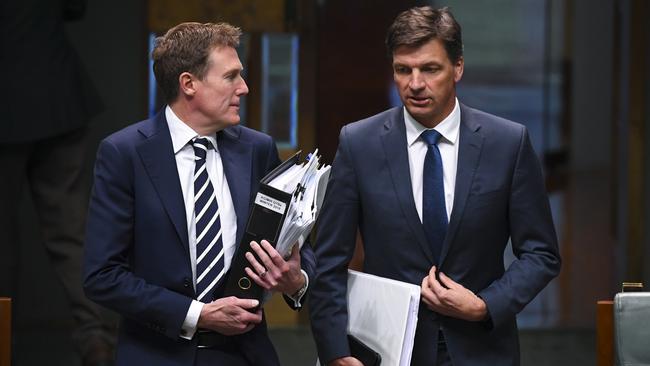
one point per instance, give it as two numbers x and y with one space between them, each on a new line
191 320
301 293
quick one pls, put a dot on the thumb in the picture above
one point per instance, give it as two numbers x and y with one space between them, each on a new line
295 253
247 303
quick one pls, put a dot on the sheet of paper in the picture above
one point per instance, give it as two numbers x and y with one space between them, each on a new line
383 313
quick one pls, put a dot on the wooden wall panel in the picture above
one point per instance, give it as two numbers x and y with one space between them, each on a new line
353 73
250 15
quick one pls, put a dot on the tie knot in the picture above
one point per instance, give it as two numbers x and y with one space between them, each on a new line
431 137
201 146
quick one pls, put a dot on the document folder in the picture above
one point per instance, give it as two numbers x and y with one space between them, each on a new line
264 222
383 314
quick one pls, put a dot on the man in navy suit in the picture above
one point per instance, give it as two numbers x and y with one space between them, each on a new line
170 200
436 189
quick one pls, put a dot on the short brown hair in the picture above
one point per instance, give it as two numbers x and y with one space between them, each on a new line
417 26
186 48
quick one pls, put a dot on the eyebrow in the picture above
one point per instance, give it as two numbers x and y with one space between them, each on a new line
234 70
428 64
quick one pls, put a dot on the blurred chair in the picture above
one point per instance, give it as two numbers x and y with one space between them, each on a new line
632 328
5 331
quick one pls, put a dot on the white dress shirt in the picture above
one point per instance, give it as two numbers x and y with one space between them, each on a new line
448 146
182 135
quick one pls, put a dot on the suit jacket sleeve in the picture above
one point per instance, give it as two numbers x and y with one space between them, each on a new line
337 228
108 278
533 239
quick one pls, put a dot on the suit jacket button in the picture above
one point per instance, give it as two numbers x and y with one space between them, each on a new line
186 282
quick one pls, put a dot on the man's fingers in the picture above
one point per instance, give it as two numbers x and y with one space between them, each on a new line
257 279
435 286
249 327
427 295
259 269
246 303
248 317
273 254
263 255
448 282
430 297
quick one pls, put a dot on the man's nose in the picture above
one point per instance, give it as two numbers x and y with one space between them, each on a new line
243 88
416 82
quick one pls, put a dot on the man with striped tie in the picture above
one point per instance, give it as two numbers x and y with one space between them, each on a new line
169 204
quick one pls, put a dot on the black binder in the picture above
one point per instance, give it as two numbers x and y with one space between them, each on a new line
266 217
363 353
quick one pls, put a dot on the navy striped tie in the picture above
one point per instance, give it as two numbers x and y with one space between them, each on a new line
434 212
209 246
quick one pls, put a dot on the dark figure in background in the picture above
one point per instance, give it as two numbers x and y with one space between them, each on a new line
169 205
437 189
46 103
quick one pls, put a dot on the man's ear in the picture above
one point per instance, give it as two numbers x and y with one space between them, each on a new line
187 83
459 67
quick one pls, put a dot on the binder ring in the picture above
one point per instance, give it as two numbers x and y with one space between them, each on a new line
244 283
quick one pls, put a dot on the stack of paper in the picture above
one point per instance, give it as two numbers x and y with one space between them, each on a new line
307 182
383 313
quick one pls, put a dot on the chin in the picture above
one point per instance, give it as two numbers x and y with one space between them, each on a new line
233 121
419 111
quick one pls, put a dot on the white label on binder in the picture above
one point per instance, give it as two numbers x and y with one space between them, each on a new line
270 203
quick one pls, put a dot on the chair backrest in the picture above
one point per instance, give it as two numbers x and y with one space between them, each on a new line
632 328
5 331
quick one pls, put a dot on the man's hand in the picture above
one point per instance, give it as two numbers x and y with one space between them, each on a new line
229 315
451 299
275 273
346 361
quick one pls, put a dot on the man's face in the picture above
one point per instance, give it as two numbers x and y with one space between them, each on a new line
426 80
218 94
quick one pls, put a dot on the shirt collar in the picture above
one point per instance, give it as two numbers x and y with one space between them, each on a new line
448 127
181 133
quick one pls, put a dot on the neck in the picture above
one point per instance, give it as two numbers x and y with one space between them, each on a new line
194 119
445 113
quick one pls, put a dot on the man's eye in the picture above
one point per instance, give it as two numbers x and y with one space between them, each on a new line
231 76
401 70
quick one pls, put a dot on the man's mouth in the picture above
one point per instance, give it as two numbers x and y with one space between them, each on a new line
419 101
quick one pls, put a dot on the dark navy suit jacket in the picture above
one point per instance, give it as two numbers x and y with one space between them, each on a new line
137 258
499 195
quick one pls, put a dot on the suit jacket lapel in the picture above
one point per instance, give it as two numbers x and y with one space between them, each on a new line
394 141
469 152
237 158
157 154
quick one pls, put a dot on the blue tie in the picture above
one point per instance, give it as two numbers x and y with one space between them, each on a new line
434 212
209 246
